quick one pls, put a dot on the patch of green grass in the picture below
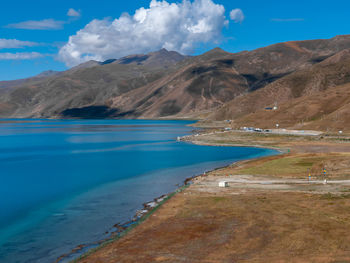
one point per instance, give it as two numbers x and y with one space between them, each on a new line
218 199
282 166
304 163
330 196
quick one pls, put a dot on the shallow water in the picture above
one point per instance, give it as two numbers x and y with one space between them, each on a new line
65 183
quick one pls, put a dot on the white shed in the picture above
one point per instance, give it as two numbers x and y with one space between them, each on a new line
223 184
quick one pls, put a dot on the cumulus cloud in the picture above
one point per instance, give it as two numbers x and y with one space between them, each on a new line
73 13
20 56
14 43
237 15
46 24
174 26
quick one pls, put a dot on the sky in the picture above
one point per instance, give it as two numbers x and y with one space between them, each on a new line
39 35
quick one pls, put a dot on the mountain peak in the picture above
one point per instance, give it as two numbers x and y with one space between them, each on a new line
47 73
217 50
160 58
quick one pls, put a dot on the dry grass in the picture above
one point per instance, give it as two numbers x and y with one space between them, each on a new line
299 166
250 227
246 224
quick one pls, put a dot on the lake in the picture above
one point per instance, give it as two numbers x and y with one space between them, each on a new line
67 182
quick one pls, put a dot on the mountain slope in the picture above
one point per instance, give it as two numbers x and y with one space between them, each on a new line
211 80
161 58
329 73
13 83
323 110
167 84
196 87
90 84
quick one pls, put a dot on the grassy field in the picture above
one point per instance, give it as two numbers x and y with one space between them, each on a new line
251 227
285 166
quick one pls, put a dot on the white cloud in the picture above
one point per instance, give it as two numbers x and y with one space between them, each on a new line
20 56
174 26
46 24
287 19
14 43
237 15
74 13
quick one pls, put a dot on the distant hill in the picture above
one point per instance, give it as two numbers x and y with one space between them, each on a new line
216 85
17 82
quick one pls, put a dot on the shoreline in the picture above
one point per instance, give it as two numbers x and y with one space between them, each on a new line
150 207
194 217
122 228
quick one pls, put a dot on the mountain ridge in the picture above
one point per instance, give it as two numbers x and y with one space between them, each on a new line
214 85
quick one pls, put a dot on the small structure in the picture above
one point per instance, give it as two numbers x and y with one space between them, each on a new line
223 184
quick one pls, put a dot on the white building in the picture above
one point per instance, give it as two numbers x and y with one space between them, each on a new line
223 184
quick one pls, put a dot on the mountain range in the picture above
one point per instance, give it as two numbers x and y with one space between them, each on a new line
308 83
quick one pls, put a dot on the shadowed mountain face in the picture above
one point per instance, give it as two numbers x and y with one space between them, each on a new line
217 84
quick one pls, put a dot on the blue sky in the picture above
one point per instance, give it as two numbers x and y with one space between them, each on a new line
45 27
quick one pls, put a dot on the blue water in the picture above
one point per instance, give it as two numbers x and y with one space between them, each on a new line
67 182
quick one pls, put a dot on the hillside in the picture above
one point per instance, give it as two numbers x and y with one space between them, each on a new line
323 110
329 73
90 84
309 98
14 83
216 84
217 79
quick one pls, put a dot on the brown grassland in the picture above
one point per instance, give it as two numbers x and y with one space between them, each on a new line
269 212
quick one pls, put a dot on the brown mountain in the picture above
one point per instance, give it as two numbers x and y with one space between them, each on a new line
307 98
13 83
331 72
161 58
83 91
217 84
216 78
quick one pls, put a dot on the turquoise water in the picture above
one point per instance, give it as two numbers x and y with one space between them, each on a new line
67 182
